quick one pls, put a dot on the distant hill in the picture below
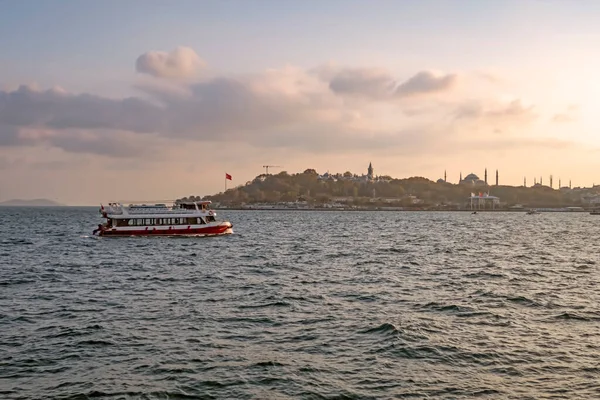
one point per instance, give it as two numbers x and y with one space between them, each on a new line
349 189
31 203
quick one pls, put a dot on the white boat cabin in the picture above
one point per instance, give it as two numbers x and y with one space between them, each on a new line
182 213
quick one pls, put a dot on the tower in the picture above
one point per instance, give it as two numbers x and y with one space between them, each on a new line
496 177
460 179
541 181
534 182
551 181
445 176
485 176
559 184
525 181
570 184
370 171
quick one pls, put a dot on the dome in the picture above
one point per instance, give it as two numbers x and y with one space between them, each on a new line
441 180
471 177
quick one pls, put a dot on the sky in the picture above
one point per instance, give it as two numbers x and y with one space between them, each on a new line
144 100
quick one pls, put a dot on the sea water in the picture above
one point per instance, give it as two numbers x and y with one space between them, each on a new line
299 304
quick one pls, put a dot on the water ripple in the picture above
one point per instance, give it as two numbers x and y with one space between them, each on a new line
378 305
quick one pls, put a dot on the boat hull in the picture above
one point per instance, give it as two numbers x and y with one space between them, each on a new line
217 230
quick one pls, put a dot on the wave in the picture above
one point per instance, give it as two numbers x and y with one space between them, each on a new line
484 274
266 305
453 308
568 316
385 328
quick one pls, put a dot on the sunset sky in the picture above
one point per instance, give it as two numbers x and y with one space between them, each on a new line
147 100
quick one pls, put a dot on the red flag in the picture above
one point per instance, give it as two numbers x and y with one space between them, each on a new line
227 176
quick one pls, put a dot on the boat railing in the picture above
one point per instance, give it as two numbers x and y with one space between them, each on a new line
145 211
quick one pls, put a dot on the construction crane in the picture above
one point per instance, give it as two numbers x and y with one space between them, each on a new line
266 167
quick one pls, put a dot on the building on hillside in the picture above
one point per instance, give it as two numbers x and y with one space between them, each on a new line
473 180
369 177
483 201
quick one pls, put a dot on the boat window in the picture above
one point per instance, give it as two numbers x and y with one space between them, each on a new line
122 222
191 221
210 218
201 221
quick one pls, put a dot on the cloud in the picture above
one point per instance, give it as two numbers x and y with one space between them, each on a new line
378 84
373 83
27 107
426 82
324 109
183 62
218 109
9 135
513 112
569 115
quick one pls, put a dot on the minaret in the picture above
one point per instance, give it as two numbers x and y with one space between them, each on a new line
570 184
534 182
541 181
551 181
525 181
370 171
559 184
445 176
496 177
460 179
485 176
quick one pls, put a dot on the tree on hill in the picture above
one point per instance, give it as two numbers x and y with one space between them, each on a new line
307 186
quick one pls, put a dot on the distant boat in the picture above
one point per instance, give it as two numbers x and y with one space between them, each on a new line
532 212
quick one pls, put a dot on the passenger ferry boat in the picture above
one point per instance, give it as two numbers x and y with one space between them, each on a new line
182 219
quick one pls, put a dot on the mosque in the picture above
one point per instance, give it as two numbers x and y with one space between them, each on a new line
474 180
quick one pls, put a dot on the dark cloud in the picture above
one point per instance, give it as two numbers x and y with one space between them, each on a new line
380 85
371 83
426 82
26 107
105 144
9 135
289 108
216 109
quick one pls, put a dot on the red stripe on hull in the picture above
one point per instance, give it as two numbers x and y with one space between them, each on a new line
213 230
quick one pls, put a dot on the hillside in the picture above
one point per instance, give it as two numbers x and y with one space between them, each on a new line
31 203
416 192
